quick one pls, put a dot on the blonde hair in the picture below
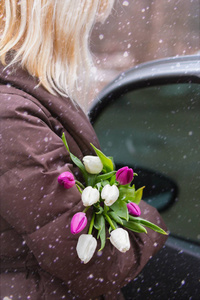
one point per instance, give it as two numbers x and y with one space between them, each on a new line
51 40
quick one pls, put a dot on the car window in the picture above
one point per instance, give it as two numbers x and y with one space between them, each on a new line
157 130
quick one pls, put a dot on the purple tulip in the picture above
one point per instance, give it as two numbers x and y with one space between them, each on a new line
66 179
124 175
78 222
133 209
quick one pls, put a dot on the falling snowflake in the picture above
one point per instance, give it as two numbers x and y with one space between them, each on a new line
125 3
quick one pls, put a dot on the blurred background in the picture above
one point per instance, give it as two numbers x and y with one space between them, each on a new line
144 30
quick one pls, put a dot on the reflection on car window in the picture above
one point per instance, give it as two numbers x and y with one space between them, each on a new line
158 129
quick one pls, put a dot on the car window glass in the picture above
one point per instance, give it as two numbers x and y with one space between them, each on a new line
157 129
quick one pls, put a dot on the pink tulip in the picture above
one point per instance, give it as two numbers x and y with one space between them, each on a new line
124 175
66 179
78 222
133 209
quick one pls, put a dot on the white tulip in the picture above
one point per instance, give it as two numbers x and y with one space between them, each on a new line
90 196
120 239
110 194
93 164
86 247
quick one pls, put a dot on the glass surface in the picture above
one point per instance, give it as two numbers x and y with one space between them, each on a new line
158 130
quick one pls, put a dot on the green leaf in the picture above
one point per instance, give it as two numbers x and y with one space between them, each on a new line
120 208
91 179
75 159
105 176
106 161
134 226
127 193
115 217
98 209
138 195
113 179
98 223
148 224
65 141
102 238
100 226
103 183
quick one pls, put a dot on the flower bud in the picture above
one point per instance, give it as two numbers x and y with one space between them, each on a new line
110 194
78 222
66 179
93 164
124 175
90 196
120 239
86 247
133 209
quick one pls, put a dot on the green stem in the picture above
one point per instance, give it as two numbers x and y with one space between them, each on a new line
91 224
110 221
86 209
78 187
80 184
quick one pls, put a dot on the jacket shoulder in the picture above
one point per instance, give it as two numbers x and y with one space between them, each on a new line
13 99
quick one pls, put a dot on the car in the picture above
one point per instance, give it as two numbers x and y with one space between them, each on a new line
148 118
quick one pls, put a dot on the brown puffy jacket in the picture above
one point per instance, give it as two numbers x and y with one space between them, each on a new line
38 252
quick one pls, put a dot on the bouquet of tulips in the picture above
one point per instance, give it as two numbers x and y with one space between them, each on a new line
112 199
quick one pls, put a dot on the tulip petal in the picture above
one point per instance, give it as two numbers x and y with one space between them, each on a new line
86 247
110 194
120 239
93 164
124 175
90 196
120 208
133 209
78 222
66 179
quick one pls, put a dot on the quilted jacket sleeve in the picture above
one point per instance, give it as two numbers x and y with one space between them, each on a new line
40 210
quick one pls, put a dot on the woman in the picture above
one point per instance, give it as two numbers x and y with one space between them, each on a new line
43 75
